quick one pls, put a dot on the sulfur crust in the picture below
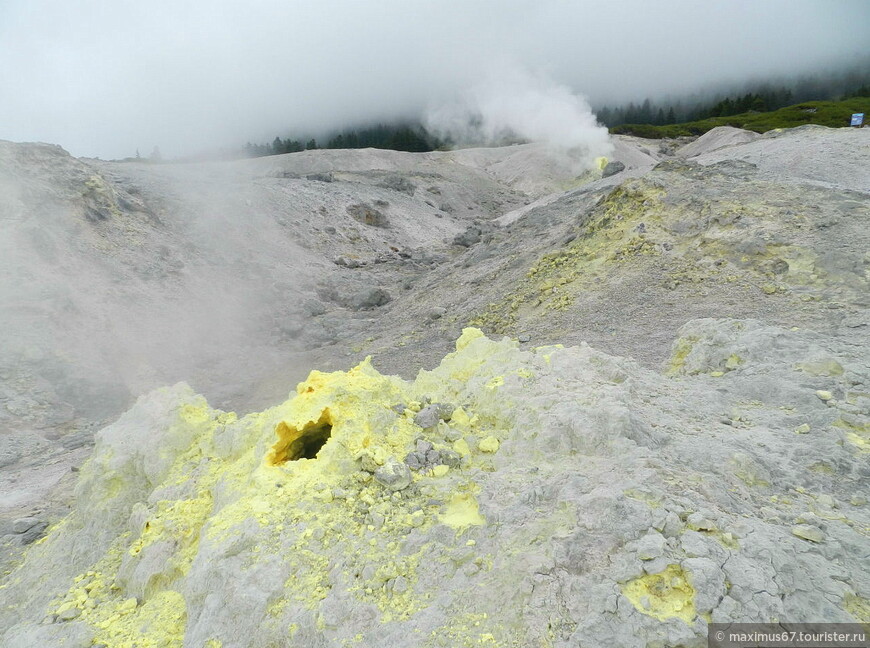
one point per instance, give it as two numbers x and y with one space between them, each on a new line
663 596
235 473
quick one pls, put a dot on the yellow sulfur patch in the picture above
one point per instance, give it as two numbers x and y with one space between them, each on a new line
462 512
462 421
287 485
159 623
496 382
468 336
663 596
733 362
461 446
682 348
858 607
858 434
489 444
825 367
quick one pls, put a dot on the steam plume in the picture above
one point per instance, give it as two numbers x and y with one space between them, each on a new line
514 104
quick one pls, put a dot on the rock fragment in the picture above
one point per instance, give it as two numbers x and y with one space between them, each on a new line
69 613
367 299
412 460
313 307
429 416
34 533
394 475
450 458
699 522
808 532
398 183
24 524
612 168
368 215
651 546
469 237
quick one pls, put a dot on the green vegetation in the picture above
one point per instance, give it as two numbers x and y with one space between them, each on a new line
762 100
758 96
401 137
396 137
824 113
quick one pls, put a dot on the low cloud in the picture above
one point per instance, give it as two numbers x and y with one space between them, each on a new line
105 78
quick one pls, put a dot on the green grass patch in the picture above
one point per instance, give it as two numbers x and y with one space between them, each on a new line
824 113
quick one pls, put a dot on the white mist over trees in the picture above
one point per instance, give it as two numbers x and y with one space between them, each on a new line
105 78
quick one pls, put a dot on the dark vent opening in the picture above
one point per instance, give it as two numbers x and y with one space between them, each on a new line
312 440
305 443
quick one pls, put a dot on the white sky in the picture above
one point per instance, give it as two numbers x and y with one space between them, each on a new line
105 77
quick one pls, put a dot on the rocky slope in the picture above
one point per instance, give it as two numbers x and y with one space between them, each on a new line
571 495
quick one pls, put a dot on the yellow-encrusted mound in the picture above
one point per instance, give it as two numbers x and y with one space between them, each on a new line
506 498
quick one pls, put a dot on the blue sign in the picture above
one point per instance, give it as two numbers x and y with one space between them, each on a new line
857 119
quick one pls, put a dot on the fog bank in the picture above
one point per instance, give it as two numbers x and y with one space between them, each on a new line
106 79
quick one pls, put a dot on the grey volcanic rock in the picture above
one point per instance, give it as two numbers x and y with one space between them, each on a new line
23 524
683 441
368 215
429 416
612 168
570 463
34 533
399 183
370 298
394 475
468 238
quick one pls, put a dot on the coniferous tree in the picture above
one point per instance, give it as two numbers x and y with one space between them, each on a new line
645 114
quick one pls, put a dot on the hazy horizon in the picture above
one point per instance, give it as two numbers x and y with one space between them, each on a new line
108 79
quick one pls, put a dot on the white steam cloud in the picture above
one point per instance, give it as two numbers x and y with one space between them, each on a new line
516 105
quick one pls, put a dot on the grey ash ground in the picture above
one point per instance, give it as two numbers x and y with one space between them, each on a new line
729 273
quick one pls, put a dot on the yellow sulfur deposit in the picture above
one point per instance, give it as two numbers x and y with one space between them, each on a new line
462 511
316 488
663 596
609 236
489 444
345 516
857 433
858 607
